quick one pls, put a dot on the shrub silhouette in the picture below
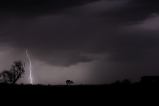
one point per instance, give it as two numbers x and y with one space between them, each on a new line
69 82
11 76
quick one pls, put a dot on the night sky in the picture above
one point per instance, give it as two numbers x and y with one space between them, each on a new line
87 41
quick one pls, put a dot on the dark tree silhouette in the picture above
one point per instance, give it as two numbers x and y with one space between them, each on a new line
11 76
69 82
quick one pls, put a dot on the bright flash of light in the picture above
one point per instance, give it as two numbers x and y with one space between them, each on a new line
30 67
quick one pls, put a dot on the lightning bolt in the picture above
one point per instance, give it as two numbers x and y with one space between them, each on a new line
30 67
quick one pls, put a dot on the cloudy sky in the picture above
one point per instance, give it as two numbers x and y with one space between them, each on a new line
87 41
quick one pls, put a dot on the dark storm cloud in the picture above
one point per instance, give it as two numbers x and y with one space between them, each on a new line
65 39
131 45
133 54
37 7
133 11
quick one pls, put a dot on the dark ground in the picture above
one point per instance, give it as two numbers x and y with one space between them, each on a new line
145 90
79 94
79 90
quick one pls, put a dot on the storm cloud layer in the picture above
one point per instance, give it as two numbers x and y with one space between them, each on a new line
117 38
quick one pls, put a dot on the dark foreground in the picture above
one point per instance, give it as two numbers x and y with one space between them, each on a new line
113 93
74 90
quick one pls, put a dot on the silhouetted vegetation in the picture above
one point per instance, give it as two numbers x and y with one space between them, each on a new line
8 78
11 76
69 82
115 90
